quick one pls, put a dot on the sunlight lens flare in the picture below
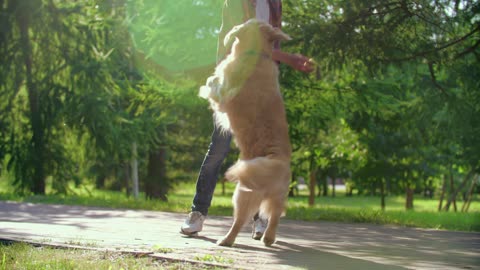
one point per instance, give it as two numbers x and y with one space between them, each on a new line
174 36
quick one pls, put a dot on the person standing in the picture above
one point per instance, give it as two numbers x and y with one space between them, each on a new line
235 12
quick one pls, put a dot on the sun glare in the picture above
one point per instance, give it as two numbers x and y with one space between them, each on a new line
175 36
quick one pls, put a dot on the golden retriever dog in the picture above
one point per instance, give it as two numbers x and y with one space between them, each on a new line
245 96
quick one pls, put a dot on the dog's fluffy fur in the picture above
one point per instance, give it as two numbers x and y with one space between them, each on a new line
245 96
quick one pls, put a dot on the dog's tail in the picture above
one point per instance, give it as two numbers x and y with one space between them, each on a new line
258 172
260 176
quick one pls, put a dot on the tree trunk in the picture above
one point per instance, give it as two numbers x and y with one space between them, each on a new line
312 184
325 186
38 178
334 183
454 193
452 189
322 184
425 188
126 178
156 185
134 165
442 194
466 204
291 192
382 195
409 198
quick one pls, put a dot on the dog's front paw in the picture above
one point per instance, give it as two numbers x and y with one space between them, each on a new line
225 242
204 92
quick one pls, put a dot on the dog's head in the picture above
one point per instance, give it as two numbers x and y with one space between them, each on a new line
254 33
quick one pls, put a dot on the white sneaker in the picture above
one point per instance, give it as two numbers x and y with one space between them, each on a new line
193 224
259 227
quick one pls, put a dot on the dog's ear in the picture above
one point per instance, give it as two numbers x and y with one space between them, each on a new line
273 33
231 36
280 35
228 40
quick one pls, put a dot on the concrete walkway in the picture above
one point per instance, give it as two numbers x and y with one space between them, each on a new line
300 245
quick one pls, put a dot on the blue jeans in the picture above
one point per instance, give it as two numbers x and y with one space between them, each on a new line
208 175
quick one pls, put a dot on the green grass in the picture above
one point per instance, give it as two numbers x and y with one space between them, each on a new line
27 257
341 208
367 209
214 258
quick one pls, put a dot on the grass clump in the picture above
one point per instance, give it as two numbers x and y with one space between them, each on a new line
26 257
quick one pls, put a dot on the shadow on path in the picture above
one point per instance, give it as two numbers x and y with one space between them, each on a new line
308 245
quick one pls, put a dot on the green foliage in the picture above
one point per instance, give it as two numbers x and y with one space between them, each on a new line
85 87
178 36
50 50
392 70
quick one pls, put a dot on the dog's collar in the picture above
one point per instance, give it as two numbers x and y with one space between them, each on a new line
257 53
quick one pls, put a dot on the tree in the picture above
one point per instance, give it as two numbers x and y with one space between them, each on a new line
70 73
394 100
400 56
48 47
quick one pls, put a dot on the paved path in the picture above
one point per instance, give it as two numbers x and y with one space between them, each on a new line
300 245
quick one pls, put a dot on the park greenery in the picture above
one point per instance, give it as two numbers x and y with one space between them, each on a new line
354 209
94 93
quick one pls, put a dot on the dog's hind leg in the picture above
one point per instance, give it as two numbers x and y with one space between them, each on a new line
272 208
246 203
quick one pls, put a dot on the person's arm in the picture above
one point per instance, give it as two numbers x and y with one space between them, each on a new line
296 61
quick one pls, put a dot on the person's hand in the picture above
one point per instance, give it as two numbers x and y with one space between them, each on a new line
296 61
301 63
